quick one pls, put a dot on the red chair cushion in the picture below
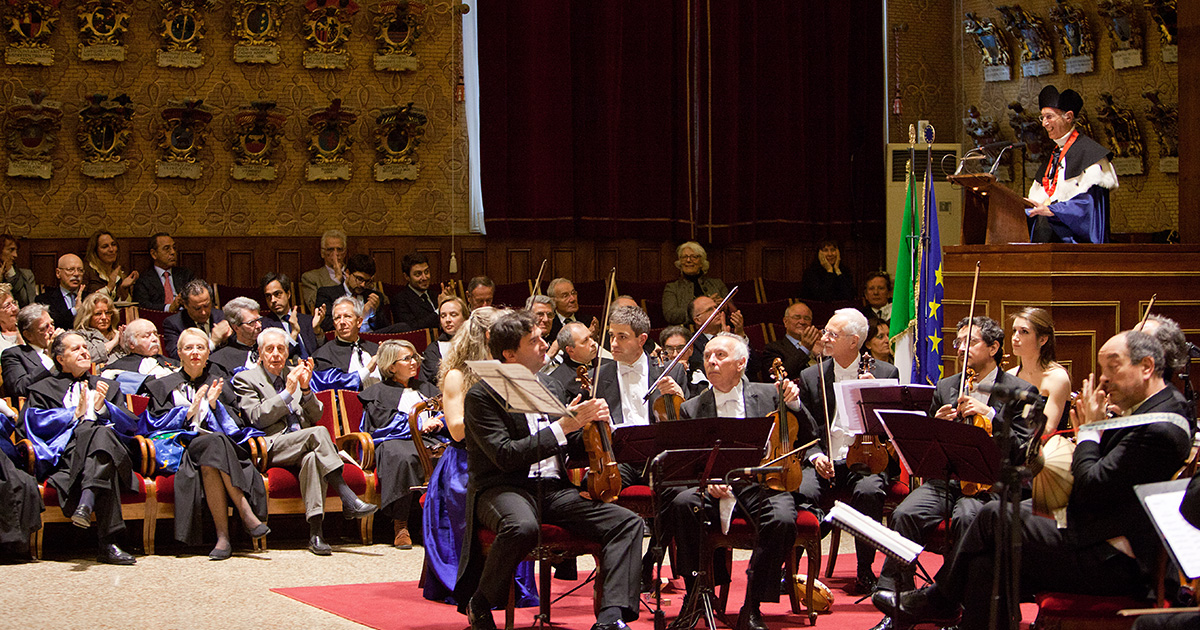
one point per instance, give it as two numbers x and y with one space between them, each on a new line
1087 606
807 525
637 492
285 484
164 489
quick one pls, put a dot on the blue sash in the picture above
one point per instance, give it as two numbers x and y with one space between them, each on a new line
50 431
334 378
171 432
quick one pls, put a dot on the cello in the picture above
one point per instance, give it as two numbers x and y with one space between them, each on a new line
604 478
783 437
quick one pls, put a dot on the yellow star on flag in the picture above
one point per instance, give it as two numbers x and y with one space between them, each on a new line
933 307
935 340
938 275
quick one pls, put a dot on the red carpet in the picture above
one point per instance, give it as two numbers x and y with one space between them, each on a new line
399 605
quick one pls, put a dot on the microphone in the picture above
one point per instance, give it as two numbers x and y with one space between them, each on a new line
1007 146
750 472
1010 393
1003 144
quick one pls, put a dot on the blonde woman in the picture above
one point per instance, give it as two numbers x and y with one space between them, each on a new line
97 321
9 335
1033 346
101 271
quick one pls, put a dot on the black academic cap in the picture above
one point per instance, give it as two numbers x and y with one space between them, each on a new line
1067 100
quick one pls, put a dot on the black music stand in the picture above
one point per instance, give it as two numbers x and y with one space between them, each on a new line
940 449
892 398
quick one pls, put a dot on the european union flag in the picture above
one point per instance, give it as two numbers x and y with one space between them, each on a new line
927 358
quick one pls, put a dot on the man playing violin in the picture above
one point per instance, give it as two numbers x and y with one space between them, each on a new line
733 396
842 341
919 514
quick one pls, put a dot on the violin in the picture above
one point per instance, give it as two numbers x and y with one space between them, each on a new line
668 407
869 454
970 488
783 440
604 478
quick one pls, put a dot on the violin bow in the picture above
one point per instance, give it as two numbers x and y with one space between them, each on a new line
1142 324
670 366
608 299
962 383
537 284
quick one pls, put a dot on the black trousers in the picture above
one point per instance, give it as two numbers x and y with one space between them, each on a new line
918 516
513 514
773 511
867 495
1049 562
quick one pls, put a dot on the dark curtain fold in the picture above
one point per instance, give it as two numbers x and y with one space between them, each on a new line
614 119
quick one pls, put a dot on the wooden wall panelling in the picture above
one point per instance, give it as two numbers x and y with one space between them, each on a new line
197 261
473 262
43 265
733 265
387 265
240 268
651 265
520 265
606 259
774 263
561 265
287 262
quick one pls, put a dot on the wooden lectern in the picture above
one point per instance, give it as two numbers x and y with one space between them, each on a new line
992 213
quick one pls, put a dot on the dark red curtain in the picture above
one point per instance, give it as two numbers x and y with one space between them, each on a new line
719 121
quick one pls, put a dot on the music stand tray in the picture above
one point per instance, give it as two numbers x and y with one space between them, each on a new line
941 449
893 398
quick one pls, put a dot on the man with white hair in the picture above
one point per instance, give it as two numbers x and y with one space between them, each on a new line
566 304
347 362
334 245
842 338
143 361
29 362
240 353
279 401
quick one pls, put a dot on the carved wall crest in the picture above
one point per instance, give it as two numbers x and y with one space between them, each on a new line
1164 15
1075 36
327 29
104 131
993 50
31 133
1122 135
329 139
257 24
984 132
183 129
1165 120
1027 127
29 25
398 132
102 26
255 141
182 31
1124 31
398 27
1037 56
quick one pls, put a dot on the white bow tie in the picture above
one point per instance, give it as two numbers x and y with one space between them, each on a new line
632 370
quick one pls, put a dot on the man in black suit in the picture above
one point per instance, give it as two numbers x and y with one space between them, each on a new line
1109 547
452 314
921 511
413 306
360 273
517 481
30 362
623 383
161 286
348 361
774 511
566 304
579 349
277 291
197 312
798 345
63 299
842 341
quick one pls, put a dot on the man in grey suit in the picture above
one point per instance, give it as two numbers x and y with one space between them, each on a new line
732 395
333 252
277 400
842 341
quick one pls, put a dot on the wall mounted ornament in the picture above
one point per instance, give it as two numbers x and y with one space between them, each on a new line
255 140
1163 12
257 24
102 26
183 129
984 131
1027 127
1075 37
329 139
182 31
1028 30
398 27
1122 136
28 25
1124 31
1165 120
104 130
992 48
398 132
31 133
327 29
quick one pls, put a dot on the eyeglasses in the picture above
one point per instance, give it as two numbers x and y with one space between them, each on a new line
566 294
959 344
411 357
361 278
690 257
252 323
832 334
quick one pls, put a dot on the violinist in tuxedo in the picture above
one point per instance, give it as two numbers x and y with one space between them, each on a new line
799 344
161 286
65 297
347 362
240 352
774 511
452 313
304 329
143 361
198 312
927 505
25 364
1109 547
517 481
842 341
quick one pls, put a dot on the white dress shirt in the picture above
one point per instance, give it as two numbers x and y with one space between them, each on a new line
547 468
731 404
633 382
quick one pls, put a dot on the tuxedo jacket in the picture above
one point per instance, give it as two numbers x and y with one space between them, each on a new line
264 408
180 322
605 386
810 398
327 295
307 344
21 367
52 297
413 312
431 360
947 392
148 290
795 360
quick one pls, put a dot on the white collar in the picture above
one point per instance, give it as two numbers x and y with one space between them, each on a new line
1061 142
733 394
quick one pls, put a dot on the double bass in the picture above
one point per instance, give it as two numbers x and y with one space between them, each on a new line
604 478
782 440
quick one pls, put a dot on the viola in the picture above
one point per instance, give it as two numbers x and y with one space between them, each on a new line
970 488
869 454
604 478
783 440
668 407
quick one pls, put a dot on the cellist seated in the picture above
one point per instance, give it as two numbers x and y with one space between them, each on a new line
733 396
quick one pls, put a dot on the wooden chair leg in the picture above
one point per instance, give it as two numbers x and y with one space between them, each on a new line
834 539
813 549
510 609
793 567
35 543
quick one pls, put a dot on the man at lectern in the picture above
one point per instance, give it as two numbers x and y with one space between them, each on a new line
1069 195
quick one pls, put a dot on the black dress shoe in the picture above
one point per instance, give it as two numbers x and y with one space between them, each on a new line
112 554
220 554
358 509
750 620
318 546
480 615
82 517
612 625
865 583
884 624
885 601
919 606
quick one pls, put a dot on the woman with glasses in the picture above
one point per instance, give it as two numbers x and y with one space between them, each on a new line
1033 346
96 320
693 282
102 273
387 406
9 335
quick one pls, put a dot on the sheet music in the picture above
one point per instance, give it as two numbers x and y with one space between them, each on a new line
519 388
864 527
1180 535
848 395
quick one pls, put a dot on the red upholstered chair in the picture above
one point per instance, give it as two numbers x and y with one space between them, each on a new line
1066 611
895 494
757 334
742 535
747 291
157 317
642 290
766 313
592 291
